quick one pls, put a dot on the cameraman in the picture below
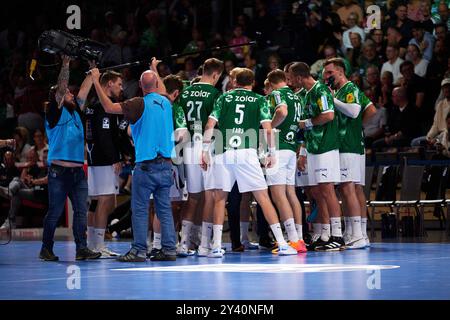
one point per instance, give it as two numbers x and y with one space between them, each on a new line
66 177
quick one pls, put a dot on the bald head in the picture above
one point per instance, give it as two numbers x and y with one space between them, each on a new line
148 82
399 96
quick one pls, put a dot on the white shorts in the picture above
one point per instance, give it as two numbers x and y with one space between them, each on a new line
362 170
324 168
301 178
102 181
283 172
350 167
197 179
242 166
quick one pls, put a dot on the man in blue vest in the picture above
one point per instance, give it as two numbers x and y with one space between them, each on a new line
152 131
66 177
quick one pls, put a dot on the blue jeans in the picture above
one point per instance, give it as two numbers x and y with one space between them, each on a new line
156 179
62 183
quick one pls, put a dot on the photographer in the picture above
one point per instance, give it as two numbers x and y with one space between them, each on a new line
66 177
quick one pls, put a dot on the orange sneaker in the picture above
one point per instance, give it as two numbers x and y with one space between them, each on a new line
299 246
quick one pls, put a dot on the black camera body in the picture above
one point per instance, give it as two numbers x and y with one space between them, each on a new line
60 42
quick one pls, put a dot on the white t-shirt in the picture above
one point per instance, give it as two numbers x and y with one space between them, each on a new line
421 68
394 68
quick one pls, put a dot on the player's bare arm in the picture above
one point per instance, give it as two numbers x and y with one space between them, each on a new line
106 102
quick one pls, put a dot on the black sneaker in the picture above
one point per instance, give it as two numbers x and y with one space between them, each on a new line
131 256
161 256
314 243
47 255
153 253
86 254
334 244
266 244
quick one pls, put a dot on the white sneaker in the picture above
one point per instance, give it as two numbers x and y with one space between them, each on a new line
356 244
347 237
182 250
107 253
367 242
286 250
202 252
216 253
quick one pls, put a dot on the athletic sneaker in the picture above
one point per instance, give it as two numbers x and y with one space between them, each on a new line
161 256
367 242
202 252
334 244
355 244
86 254
267 244
131 256
299 246
182 251
347 237
250 245
286 250
316 240
107 253
153 252
216 253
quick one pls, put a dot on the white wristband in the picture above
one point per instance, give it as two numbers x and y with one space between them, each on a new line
308 124
303 152
272 151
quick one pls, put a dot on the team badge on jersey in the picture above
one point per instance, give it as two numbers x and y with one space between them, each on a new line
105 123
350 98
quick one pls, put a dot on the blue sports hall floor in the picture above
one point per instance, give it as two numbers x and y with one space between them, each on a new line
386 271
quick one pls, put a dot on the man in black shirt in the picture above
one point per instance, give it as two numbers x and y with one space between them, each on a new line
403 122
103 132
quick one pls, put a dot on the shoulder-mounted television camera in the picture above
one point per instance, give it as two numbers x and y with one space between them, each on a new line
60 42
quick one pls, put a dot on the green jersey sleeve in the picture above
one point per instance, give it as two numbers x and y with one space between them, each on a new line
217 109
324 100
276 99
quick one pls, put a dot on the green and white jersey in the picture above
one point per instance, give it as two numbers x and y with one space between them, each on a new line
287 130
197 102
322 138
239 114
301 94
351 136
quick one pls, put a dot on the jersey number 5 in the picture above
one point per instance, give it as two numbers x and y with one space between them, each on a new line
240 112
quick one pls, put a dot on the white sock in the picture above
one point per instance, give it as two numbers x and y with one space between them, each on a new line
364 227
336 227
325 232
186 227
348 225
157 241
278 233
207 229
99 239
356 227
244 230
317 228
299 229
91 244
289 226
217 236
